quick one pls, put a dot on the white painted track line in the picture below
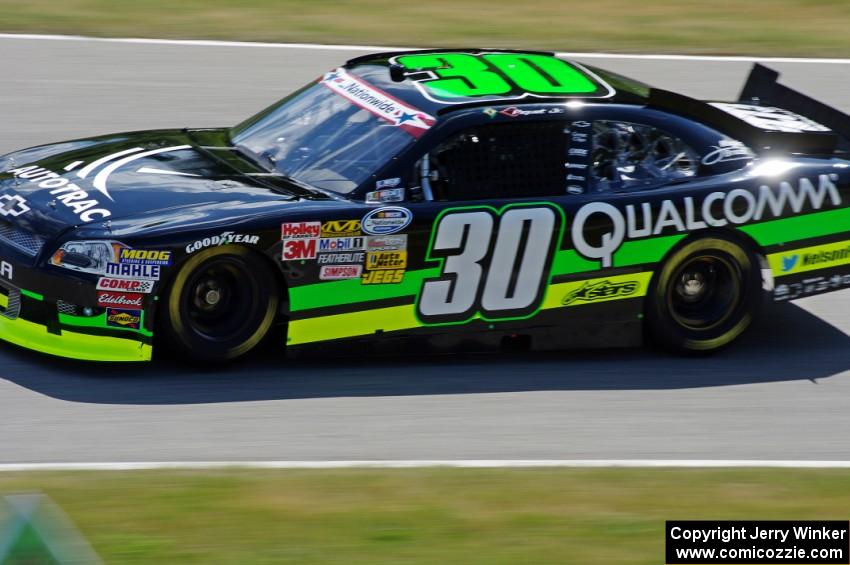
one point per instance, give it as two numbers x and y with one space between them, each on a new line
414 464
376 48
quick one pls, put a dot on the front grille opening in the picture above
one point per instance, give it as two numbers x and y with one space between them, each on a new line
10 302
22 240
67 308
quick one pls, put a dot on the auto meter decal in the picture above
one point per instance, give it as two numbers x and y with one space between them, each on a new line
387 220
376 101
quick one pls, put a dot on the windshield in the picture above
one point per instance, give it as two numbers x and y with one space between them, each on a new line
321 138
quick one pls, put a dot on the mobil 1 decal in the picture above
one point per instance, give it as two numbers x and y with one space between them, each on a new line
494 263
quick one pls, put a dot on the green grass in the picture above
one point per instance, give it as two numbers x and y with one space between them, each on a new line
418 516
765 27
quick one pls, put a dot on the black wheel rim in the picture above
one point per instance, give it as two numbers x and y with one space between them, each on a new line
705 291
219 300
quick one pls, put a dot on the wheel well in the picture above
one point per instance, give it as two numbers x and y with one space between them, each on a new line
742 238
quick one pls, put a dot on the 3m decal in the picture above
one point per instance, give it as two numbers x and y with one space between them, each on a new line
119 318
225 238
392 276
13 205
125 285
810 258
378 102
341 228
133 271
386 260
145 257
717 209
387 220
120 299
601 291
339 272
495 264
299 249
456 77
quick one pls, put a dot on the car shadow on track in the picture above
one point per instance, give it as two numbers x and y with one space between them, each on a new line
788 343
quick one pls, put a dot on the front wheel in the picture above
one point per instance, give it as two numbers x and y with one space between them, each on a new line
706 294
221 304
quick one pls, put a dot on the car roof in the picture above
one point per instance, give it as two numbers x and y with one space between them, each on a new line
401 74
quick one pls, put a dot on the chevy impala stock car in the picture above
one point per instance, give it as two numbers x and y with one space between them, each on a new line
433 200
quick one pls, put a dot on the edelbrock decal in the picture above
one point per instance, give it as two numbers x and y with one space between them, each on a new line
120 299
385 221
640 221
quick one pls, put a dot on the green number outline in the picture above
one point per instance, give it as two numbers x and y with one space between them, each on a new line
603 89
559 237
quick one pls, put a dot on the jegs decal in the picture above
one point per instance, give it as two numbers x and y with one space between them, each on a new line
493 263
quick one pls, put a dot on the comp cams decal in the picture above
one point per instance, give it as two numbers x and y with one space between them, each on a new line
378 102
125 285
738 206
493 263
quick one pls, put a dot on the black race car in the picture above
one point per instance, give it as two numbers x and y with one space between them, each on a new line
431 200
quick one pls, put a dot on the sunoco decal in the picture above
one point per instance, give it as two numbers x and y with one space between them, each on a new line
119 318
385 221
717 209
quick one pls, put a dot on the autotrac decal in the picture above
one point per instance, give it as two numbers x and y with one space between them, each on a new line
376 101
452 78
85 204
738 206
810 258
494 263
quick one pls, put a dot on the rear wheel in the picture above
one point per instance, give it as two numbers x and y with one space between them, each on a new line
220 305
706 294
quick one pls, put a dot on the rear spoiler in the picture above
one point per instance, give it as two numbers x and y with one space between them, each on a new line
762 88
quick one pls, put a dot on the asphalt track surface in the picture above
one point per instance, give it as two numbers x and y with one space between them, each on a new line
782 393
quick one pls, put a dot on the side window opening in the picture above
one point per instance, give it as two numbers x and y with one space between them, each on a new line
629 156
498 161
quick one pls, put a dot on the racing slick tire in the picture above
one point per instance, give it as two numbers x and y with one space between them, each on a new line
220 305
707 293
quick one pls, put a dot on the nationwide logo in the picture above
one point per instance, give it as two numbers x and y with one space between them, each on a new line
383 105
125 285
123 318
603 290
385 221
122 299
13 205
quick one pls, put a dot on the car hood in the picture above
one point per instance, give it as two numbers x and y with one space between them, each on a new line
51 188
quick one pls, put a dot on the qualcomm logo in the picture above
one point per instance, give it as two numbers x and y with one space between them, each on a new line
789 262
13 205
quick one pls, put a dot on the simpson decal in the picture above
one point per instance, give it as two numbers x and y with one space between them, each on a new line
340 272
